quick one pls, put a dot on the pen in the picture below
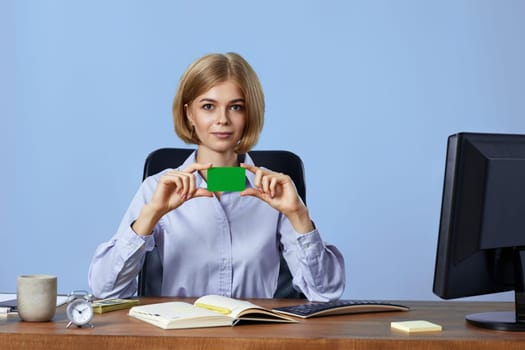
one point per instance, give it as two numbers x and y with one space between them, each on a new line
222 310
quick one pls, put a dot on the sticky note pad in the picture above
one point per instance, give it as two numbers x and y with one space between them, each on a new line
416 326
226 179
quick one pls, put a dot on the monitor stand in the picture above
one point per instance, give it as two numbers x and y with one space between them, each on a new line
510 320
500 321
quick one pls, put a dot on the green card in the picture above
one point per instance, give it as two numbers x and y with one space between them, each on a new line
226 179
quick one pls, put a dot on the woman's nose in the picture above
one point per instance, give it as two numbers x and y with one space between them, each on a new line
222 116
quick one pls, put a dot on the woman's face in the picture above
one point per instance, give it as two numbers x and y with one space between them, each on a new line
219 116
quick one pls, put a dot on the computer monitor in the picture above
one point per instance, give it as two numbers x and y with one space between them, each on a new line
481 244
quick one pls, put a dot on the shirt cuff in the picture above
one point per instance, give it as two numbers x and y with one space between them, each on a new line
311 242
134 242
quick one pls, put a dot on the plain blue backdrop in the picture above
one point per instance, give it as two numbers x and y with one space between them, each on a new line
366 92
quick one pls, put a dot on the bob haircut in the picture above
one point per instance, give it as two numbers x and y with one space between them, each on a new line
205 73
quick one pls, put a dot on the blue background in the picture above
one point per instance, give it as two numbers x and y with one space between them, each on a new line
366 92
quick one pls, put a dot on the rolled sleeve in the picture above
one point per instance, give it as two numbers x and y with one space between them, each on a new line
318 268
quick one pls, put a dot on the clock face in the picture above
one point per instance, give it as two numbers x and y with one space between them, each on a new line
80 312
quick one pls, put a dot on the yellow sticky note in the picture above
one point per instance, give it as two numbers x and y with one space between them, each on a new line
416 326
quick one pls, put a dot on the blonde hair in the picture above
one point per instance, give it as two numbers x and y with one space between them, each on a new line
205 73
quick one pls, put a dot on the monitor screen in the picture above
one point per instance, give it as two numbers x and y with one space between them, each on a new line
481 243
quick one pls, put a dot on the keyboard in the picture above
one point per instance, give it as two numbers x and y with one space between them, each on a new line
339 307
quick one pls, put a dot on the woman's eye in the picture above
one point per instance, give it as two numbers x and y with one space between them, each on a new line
237 107
207 106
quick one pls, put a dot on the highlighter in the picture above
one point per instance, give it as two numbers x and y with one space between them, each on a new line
219 309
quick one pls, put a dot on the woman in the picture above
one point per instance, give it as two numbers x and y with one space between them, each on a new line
218 243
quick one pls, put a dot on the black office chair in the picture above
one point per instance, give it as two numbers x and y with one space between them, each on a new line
150 277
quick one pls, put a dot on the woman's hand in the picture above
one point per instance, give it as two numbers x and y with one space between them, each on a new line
174 188
278 190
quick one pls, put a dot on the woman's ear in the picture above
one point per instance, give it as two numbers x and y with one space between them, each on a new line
187 113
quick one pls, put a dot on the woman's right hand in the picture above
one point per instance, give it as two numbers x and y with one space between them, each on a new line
174 188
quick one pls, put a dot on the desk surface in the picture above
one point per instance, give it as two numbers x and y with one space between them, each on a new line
116 330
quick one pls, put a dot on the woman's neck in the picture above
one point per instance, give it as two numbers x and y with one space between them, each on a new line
205 156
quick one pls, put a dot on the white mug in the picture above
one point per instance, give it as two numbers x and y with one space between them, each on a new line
36 297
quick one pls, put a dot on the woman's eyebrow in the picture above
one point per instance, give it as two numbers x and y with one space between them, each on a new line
207 99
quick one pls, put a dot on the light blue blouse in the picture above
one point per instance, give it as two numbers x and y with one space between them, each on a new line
209 246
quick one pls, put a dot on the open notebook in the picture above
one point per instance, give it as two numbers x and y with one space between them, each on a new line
207 311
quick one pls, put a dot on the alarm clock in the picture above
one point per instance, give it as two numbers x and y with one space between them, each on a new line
79 310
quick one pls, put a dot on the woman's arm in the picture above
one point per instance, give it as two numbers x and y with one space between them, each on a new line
173 189
278 190
116 264
318 269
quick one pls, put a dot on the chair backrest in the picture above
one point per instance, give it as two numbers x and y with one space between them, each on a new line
286 162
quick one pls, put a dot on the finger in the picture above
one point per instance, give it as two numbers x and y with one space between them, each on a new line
273 186
251 168
197 166
255 169
192 186
180 180
202 192
185 179
258 180
250 191
171 178
264 184
179 185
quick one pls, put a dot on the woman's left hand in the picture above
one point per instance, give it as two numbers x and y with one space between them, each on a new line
278 190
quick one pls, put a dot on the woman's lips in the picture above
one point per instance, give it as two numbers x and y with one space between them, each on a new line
222 135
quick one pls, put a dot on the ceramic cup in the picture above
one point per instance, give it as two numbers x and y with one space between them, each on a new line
36 297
